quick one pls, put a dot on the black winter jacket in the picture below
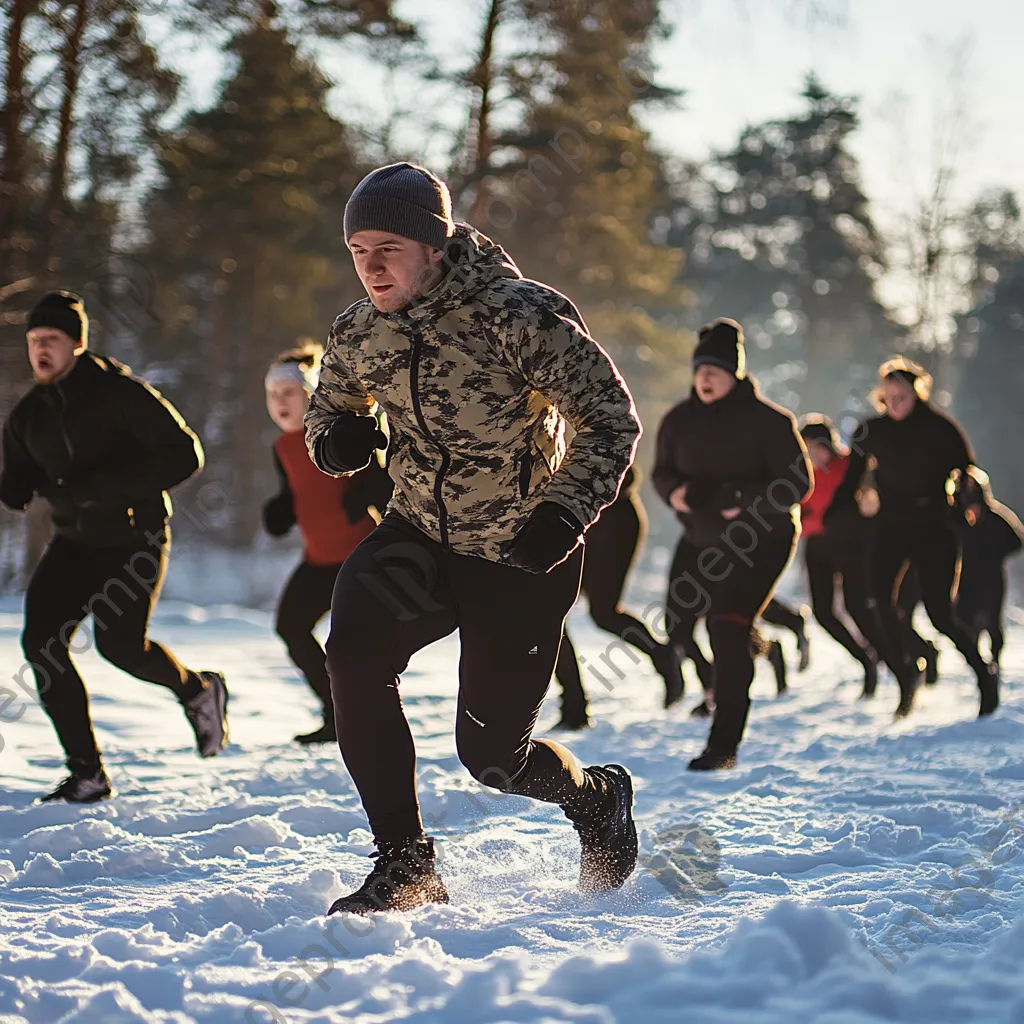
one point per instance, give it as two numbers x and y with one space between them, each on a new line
915 457
741 451
103 448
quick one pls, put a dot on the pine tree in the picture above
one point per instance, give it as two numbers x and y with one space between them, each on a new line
991 343
780 236
248 240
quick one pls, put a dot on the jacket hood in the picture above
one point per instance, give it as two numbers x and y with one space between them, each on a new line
474 261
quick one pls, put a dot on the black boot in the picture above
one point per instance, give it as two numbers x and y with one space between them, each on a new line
777 660
870 676
608 843
207 714
712 760
325 734
404 877
803 645
908 694
86 784
572 723
931 664
988 686
702 710
670 668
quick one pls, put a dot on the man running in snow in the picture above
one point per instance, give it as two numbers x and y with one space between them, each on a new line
478 371
103 448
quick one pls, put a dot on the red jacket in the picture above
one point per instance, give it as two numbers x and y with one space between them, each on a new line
316 504
826 482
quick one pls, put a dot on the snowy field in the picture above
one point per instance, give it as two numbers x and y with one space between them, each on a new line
850 870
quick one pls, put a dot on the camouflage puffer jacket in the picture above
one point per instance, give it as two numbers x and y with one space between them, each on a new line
477 380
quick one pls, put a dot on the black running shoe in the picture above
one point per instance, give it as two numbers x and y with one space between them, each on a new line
670 668
403 878
931 665
325 734
87 784
702 710
777 660
988 686
710 761
207 713
608 845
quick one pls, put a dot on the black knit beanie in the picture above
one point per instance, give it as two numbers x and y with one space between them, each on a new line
818 429
404 199
720 343
64 311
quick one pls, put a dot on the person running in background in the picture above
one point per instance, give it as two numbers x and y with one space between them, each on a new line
834 557
733 464
333 514
611 547
990 533
479 372
914 449
103 448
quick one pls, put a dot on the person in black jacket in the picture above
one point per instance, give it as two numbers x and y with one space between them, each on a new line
734 468
611 547
990 533
103 448
913 449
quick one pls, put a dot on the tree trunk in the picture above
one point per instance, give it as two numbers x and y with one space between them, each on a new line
12 173
483 78
71 69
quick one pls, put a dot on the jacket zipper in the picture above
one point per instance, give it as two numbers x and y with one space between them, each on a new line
63 425
414 388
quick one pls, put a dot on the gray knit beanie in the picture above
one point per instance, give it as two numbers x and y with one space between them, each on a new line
404 199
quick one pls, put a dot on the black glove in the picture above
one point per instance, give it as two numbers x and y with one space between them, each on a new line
370 486
348 443
546 539
279 514
701 492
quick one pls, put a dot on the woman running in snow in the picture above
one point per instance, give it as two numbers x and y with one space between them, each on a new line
333 515
611 547
731 463
914 449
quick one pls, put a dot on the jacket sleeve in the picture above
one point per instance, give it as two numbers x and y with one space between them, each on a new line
844 499
21 476
1007 533
666 477
279 511
559 359
166 452
339 393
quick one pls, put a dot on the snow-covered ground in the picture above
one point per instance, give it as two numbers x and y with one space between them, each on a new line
850 870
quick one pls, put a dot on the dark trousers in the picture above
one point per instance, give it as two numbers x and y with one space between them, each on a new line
400 591
824 571
118 587
778 613
730 591
305 600
611 547
979 606
933 550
